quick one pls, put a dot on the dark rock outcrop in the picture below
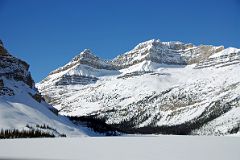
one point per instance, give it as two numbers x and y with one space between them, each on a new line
76 79
14 68
3 51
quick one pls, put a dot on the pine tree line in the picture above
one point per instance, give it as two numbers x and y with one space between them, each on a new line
47 127
44 126
15 133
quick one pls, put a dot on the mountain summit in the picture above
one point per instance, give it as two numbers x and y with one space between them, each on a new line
166 52
3 51
157 87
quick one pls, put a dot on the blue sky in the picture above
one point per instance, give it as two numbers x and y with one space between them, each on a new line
49 33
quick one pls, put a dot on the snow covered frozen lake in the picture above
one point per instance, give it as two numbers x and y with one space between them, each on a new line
123 148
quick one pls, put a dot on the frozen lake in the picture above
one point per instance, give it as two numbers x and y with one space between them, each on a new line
123 148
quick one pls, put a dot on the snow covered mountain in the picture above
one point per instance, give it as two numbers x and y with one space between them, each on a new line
82 69
23 111
166 52
157 87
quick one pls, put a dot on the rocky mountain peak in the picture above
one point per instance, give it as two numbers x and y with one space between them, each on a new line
86 58
86 54
14 68
147 44
3 51
153 43
1 43
173 52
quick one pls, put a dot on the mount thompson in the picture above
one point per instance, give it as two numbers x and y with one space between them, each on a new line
157 87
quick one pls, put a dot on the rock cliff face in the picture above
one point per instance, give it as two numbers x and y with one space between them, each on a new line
13 68
82 69
158 87
166 52
3 51
86 57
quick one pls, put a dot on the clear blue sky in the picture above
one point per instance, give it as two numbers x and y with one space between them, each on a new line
48 33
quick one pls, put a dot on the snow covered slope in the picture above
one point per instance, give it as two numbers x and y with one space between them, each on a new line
158 87
21 106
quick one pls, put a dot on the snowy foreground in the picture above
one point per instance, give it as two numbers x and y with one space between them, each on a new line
123 148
